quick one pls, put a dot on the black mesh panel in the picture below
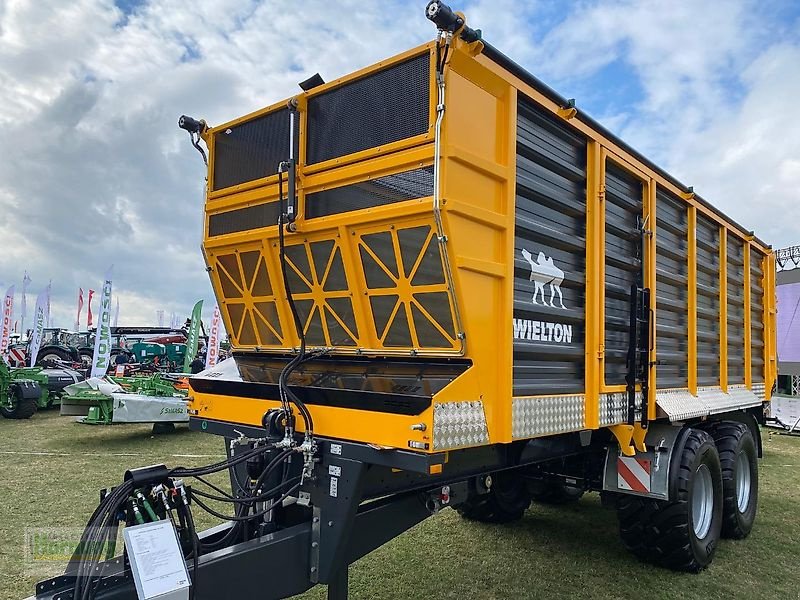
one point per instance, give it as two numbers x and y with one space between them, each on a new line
388 106
243 219
251 150
367 194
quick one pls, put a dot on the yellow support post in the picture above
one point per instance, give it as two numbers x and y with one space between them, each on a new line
723 309
692 298
650 282
748 329
770 326
594 283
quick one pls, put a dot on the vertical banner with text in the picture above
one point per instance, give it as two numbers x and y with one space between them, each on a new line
38 326
193 337
102 339
212 352
8 310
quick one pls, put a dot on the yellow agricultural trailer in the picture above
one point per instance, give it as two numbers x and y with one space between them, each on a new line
445 286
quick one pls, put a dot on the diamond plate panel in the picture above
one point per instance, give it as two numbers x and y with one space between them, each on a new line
613 408
738 396
759 390
532 417
457 424
680 405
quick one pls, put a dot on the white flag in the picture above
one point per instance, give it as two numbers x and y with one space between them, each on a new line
102 339
38 326
47 309
212 352
160 317
116 315
24 313
8 310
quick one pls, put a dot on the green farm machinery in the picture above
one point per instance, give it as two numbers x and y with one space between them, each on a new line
156 398
25 390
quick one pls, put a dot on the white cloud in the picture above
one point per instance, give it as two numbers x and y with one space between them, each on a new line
90 99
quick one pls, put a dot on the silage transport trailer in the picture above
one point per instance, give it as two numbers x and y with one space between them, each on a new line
476 297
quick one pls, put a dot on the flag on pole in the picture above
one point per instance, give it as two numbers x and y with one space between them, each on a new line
47 310
24 312
160 317
193 336
8 310
212 352
102 339
80 308
89 320
116 315
38 326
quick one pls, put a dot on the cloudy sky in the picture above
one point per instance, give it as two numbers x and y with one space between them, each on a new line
94 171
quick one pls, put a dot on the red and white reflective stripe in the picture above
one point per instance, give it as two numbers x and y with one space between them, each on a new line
17 355
633 474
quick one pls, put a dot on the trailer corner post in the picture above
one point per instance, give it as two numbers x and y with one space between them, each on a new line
748 339
594 282
723 309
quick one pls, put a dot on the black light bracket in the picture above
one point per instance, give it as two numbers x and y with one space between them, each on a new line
449 21
196 129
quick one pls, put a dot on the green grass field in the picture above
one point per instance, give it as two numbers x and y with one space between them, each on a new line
51 469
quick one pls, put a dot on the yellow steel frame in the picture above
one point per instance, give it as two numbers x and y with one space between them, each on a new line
723 309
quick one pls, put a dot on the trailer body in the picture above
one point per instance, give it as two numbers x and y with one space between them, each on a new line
495 308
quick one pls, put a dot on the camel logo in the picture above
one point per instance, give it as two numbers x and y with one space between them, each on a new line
545 272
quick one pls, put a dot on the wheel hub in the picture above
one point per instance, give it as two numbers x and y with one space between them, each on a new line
743 482
702 501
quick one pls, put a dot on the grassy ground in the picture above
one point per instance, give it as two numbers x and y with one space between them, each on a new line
51 469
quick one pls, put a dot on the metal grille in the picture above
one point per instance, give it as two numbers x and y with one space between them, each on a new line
243 219
757 315
549 255
423 318
672 290
707 301
248 298
388 106
623 266
398 187
735 301
251 150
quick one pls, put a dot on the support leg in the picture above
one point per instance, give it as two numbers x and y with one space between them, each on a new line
337 588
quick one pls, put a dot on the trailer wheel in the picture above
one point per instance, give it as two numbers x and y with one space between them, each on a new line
679 534
739 460
53 355
554 491
21 408
507 500
86 358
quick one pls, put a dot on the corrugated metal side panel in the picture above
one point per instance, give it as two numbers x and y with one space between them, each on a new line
623 266
735 298
757 315
708 337
671 291
549 256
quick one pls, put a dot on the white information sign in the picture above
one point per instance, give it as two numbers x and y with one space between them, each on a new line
159 570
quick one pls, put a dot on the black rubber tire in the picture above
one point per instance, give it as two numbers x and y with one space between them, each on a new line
86 358
51 352
24 408
553 490
662 532
732 439
507 500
